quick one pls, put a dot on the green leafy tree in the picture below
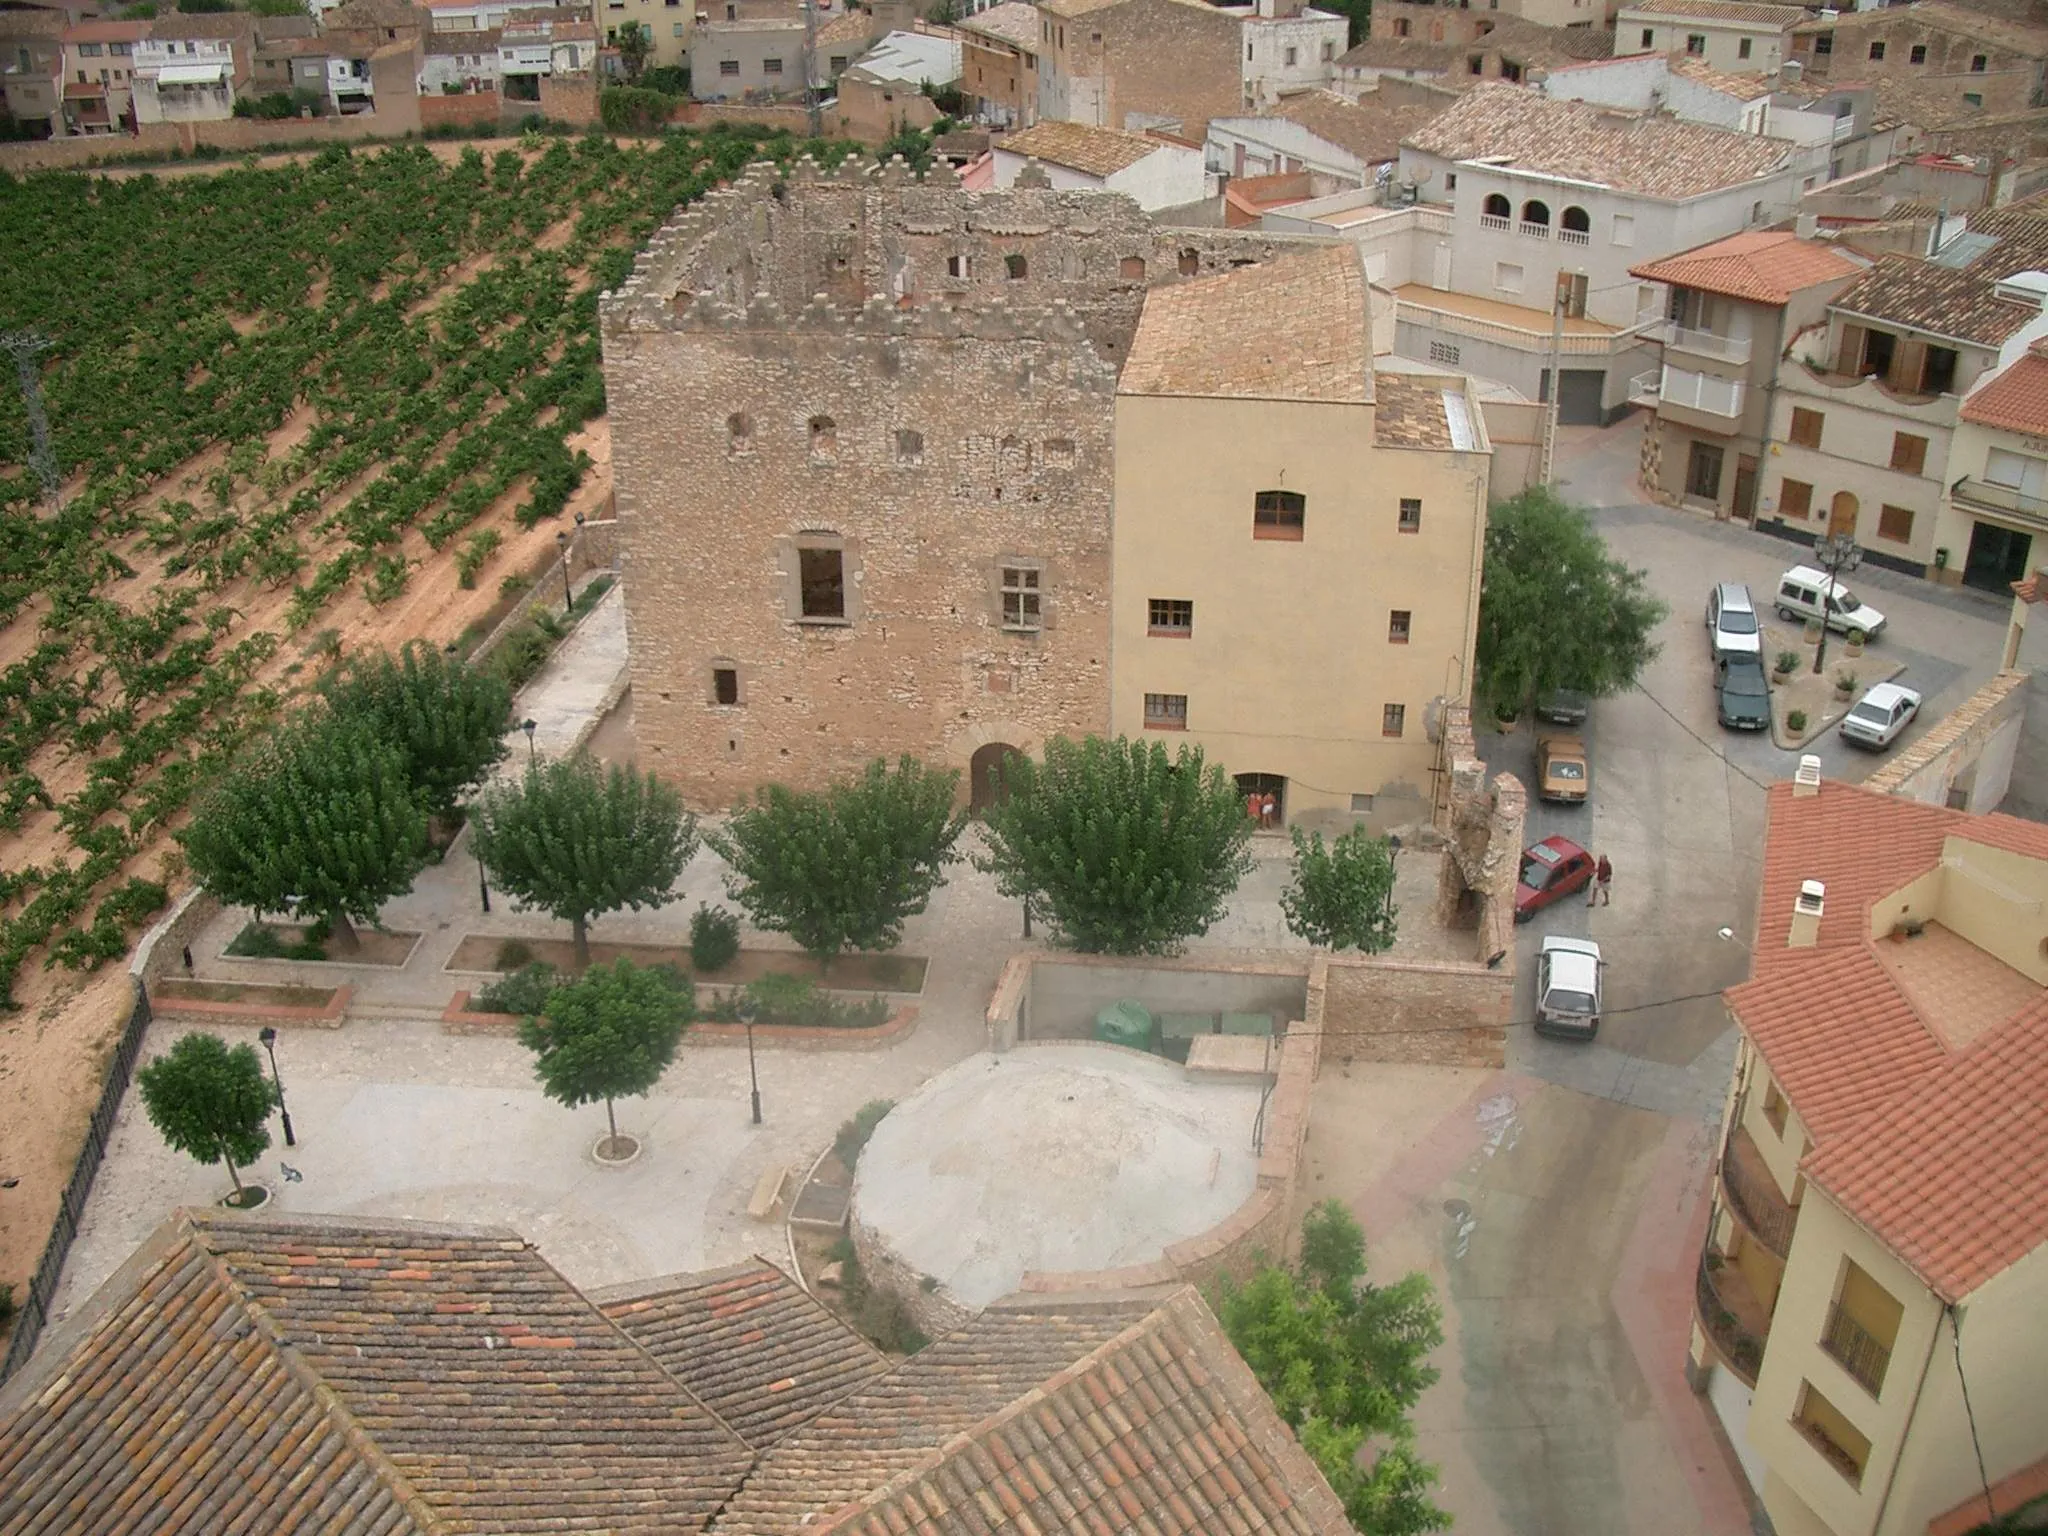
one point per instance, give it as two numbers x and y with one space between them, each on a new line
448 718
1344 1362
581 840
1357 12
1555 609
320 821
1121 848
1342 893
636 46
210 1101
843 868
609 1034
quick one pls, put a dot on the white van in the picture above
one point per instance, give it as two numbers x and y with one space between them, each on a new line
1803 593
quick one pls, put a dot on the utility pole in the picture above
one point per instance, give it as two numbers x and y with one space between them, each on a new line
26 347
811 105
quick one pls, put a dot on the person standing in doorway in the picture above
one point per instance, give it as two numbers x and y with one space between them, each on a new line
1596 893
1271 808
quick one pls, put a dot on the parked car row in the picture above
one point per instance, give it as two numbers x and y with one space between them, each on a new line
1735 640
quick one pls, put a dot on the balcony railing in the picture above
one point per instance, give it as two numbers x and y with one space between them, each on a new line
1574 236
1715 1293
2000 498
1642 389
1753 1195
1535 231
1701 392
1838 1457
1493 221
1856 1350
1730 349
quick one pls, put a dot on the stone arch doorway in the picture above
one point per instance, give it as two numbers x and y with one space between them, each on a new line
1842 514
1268 792
988 775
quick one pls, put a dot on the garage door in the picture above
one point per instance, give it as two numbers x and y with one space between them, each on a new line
1579 405
1731 1400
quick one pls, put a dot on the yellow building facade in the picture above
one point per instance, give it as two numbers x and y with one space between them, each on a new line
1297 546
1871 1293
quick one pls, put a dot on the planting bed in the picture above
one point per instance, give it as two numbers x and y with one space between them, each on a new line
477 954
373 947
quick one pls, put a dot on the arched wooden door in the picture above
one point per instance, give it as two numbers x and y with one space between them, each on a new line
1842 514
988 775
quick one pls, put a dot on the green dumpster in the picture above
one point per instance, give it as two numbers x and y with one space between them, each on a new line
1125 1022
1177 1032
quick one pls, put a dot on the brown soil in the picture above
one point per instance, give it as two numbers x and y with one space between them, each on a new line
272 996
375 947
478 953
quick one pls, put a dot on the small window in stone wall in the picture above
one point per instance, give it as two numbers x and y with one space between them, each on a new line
1444 352
1021 591
821 577
960 267
824 437
739 432
1190 263
1059 452
1131 266
725 684
1015 267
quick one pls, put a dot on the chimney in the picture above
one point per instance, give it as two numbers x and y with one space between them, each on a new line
1807 908
1806 778
1790 71
1806 226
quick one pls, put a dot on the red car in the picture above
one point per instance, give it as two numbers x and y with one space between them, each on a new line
1551 870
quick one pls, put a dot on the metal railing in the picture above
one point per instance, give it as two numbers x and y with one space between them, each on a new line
1856 1350
34 1310
1733 349
1742 1349
1642 389
1757 1204
1701 392
1999 498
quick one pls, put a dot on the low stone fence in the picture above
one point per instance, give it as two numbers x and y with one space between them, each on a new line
161 951
458 1019
1965 762
166 1005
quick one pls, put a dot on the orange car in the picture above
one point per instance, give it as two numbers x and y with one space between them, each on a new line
1563 772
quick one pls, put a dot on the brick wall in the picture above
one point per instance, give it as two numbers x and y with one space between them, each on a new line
918 377
474 107
568 98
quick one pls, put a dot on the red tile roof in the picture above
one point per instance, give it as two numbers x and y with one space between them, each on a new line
1942 1156
2016 399
1762 266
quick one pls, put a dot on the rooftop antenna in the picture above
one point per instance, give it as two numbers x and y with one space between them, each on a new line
26 346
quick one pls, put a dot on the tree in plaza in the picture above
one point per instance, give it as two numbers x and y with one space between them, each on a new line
842 869
319 821
580 840
610 1033
636 46
1343 1361
1121 848
210 1101
1555 609
1342 893
448 718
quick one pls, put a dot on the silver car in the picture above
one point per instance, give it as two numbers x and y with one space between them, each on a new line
1568 988
1732 629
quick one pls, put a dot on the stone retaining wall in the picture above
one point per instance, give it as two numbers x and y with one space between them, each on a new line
193 1011
161 951
458 1019
1442 1013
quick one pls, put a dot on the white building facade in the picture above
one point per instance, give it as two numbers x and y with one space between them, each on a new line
184 80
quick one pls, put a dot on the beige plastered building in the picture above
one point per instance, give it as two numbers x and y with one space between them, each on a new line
1871 1291
1295 581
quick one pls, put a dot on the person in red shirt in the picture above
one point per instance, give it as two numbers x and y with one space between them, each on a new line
1596 893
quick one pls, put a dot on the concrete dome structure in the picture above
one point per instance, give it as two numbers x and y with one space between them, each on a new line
1059 1156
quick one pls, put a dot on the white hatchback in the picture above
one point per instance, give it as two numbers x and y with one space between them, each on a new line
1880 715
1568 987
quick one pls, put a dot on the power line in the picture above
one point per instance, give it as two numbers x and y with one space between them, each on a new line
1696 736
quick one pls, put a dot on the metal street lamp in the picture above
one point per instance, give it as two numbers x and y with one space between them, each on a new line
568 602
529 726
748 1009
1393 854
269 1038
1836 553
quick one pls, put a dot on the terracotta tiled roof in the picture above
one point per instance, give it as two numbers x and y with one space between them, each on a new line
757 1348
1164 1419
1954 1174
1741 87
1864 1071
455 42
107 32
1292 329
288 1375
1744 12
2016 398
946 1389
1080 147
1071 8
853 27
1522 41
1402 53
1369 129
1655 156
1013 22
1959 302
1409 410
1762 266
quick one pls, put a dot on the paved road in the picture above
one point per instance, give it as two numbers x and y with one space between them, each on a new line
1559 1204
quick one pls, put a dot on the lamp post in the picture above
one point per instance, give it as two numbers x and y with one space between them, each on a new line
748 1009
1836 553
568 602
483 885
529 726
269 1038
1393 853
